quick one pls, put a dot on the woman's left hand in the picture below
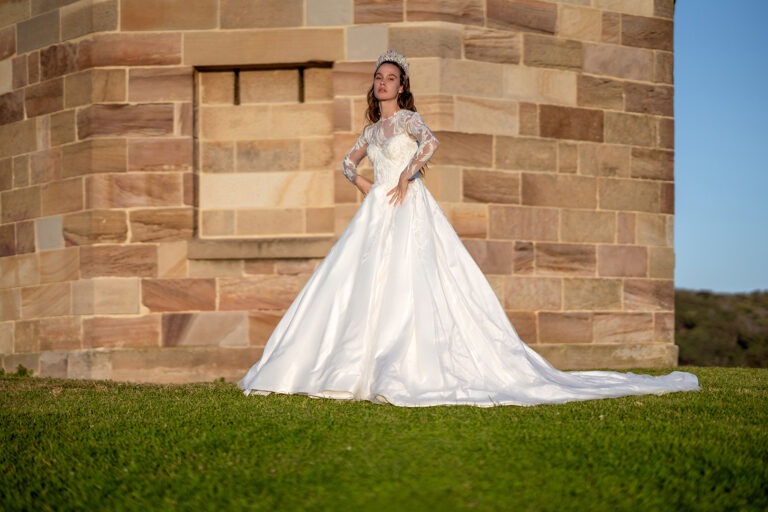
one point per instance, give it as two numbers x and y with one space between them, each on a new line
398 192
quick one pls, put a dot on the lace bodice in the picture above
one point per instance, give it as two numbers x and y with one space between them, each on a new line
400 143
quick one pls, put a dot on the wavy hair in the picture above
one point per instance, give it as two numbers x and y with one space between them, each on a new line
404 99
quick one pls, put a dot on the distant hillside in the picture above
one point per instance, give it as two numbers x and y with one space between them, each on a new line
718 329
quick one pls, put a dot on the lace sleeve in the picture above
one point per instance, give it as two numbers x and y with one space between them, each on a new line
428 144
358 151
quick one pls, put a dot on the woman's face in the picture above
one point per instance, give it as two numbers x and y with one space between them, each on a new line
386 82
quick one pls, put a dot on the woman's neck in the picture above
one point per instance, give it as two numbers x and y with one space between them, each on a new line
388 108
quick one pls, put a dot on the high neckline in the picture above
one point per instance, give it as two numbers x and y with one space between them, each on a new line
393 115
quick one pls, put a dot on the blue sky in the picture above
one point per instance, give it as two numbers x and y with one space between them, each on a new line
721 159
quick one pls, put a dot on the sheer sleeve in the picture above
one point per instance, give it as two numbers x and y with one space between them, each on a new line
357 153
428 144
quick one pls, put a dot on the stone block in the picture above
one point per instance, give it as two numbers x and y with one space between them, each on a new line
268 155
550 52
46 233
317 153
480 115
10 305
649 295
161 225
270 293
270 222
629 195
522 15
133 190
13 11
588 294
649 99
378 11
636 7
539 189
20 171
178 294
7 240
87 364
126 49
571 123
366 42
328 12
147 85
172 260
653 164
217 223
62 197
61 333
217 156
261 13
25 237
604 160
464 149
664 327
426 41
469 220
587 226
37 32
95 227
488 78
125 120
654 230
216 268
618 61
19 70
632 129
661 262
624 328
318 84
88 17
46 300
264 46
492 45
444 183
12 107
260 326
44 98
491 186
287 189
529 119
118 261
294 267
342 115
106 296
580 23
524 154
600 92
62 127
565 327
29 361
45 166
41 6
148 15
524 258
352 78
667 198
33 67
567 157
532 293
301 120
664 69
625 233
493 257
160 154
58 60
320 220
26 337
20 204
647 32
121 331
18 138
525 325
53 365
565 259
7 42
269 86
95 86
666 132
523 223
471 12
622 261
201 329
251 267
611 30
216 87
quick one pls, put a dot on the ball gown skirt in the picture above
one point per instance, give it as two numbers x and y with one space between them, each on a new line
399 313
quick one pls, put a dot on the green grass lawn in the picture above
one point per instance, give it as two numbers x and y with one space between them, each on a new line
76 445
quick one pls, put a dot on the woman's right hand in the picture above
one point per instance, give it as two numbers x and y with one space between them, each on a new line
363 184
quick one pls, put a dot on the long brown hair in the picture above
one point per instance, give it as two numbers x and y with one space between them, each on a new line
404 99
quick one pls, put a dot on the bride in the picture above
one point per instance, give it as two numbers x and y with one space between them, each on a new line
398 312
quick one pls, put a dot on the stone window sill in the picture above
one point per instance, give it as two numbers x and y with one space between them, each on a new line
260 248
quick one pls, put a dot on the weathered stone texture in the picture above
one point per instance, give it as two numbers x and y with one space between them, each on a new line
549 52
125 120
130 50
522 15
38 32
571 123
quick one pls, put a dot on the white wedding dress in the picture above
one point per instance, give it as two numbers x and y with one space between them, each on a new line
399 313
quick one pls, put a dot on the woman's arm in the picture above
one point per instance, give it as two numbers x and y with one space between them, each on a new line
352 160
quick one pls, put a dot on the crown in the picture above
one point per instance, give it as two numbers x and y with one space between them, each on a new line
393 56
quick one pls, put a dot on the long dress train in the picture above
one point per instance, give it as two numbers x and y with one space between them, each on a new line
398 312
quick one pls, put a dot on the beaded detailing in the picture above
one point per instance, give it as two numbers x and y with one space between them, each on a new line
393 56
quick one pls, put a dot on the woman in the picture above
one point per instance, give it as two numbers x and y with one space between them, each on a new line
398 312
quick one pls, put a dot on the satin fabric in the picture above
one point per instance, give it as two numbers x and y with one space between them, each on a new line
399 313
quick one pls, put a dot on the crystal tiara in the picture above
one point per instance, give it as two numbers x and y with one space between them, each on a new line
393 56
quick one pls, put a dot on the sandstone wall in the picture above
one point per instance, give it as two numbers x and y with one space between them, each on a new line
155 224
